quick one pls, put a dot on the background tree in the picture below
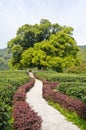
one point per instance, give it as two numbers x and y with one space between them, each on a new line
28 35
43 45
58 52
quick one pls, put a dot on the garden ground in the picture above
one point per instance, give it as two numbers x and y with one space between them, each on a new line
52 119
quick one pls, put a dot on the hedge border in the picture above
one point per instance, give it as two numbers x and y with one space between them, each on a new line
24 117
67 102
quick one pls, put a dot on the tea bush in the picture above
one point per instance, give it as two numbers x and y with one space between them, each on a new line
73 89
73 85
24 117
68 94
67 102
9 82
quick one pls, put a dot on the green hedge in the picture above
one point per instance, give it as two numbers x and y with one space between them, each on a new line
73 89
71 84
61 77
67 78
9 82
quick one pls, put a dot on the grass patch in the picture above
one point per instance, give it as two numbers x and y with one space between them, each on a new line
70 116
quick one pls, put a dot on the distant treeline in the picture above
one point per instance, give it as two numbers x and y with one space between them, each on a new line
82 53
4 58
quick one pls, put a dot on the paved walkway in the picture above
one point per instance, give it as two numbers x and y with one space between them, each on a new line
52 119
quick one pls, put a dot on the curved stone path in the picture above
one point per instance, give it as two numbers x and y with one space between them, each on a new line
52 119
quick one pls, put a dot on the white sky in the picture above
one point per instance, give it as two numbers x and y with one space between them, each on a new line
15 13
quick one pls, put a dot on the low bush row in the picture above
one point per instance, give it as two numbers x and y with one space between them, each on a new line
73 89
21 91
61 77
67 78
77 69
24 117
9 83
49 93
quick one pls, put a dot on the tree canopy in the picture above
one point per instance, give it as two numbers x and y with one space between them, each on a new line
43 45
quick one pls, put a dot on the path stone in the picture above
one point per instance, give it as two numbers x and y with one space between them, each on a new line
52 119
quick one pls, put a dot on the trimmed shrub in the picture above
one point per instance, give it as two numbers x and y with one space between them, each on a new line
25 118
9 83
21 91
67 102
73 89
77 69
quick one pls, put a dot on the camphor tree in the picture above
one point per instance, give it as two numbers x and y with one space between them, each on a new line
43 45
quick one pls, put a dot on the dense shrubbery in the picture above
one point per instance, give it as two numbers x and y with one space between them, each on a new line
64 100
61 77
66 78
73 89
9 82
21 91
24 117
69 84
4 58
20 94
77 70
5 116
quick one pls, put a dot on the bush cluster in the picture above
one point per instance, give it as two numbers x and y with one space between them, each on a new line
73 89
21 91
24 117
77 69
67 78
9 82
49 93
60 77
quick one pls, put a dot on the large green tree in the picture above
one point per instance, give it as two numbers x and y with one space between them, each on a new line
43 45
59 52
28 35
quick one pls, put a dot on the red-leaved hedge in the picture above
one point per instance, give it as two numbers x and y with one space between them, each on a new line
67 102
24 117
21 91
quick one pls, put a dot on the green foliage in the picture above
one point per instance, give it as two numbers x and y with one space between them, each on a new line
82 54
73 89
73 85
4 58
1 61
81 69
9 82
16 56
61 77
70 116
5 116
47 45
51 54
